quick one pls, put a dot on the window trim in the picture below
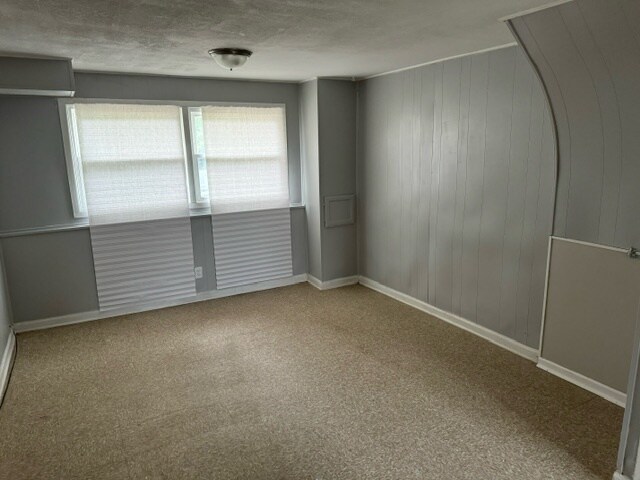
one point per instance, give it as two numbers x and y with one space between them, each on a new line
78 198
198 201
196 208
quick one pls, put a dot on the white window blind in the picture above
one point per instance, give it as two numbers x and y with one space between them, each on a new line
142 262
252 247
133 161
246 153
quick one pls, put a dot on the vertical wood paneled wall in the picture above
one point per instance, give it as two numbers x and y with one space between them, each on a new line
588 56
456 181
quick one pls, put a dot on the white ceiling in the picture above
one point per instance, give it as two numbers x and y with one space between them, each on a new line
291 39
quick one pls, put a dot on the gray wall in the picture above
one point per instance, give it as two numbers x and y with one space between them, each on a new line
337 155
588 56
34 190
456 169
52 274
310 155
328 132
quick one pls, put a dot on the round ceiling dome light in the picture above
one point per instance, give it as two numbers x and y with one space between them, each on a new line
230 58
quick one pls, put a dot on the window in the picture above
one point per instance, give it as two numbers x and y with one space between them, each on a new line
246 156
200 180
128 162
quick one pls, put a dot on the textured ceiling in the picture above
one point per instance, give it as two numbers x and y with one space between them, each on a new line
292 39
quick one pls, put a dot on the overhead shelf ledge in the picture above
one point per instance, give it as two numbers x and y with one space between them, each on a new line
51 77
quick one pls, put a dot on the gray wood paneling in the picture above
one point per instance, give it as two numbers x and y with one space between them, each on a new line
455 161
474 184
588 56
496 184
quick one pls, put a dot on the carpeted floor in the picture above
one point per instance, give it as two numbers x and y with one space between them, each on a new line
293 383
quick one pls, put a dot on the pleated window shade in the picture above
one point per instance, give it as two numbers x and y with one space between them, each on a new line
133 162
246 151
252 247
142 262
247 168
133 165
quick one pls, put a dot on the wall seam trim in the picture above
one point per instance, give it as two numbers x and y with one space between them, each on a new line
533 10
442 60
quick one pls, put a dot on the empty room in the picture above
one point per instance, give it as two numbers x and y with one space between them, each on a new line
266 239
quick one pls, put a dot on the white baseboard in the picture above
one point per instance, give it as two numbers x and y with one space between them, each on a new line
316 282
335 283
495 338
619 476
199 297
587 383
5 362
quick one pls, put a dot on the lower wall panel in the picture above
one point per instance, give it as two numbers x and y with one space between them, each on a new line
456 179
52 274
81 317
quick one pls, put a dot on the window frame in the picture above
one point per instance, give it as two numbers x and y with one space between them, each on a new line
198 200
198 205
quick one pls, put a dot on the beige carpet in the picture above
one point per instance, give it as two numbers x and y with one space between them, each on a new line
293 383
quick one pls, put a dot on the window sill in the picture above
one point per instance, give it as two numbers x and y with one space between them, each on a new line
82 224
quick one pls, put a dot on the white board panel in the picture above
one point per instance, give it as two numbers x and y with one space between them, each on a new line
590 315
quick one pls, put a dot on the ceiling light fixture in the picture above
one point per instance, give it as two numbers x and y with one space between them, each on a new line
230 58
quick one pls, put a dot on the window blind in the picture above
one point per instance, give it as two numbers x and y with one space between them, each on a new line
142 262
251 247
246 152
133 162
